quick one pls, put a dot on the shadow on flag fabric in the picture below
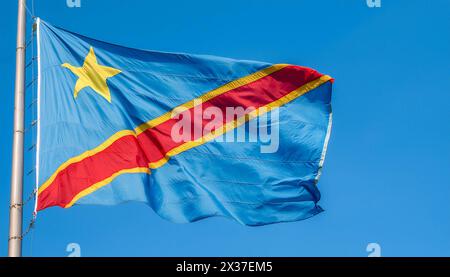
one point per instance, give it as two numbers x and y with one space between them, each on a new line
192 136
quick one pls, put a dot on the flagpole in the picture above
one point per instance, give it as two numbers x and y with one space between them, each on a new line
15 210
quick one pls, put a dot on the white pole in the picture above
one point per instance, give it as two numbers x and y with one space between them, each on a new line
15 210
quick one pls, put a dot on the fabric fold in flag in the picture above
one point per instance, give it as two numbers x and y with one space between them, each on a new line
192 136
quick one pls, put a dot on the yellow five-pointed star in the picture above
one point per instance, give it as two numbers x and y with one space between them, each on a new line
93 75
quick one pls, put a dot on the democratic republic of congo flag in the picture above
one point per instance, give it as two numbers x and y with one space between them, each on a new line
108 114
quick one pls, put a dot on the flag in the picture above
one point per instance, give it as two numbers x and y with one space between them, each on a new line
192 136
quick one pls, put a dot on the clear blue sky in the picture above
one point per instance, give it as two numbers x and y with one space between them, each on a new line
386 177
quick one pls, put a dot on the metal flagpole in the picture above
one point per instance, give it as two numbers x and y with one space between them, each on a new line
15 210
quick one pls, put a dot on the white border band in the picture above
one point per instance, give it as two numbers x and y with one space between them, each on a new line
38 118
325 146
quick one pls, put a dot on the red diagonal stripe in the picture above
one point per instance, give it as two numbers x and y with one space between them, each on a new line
129 152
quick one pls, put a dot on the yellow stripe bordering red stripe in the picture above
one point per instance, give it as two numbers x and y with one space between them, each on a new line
154 122
228 127
277 77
